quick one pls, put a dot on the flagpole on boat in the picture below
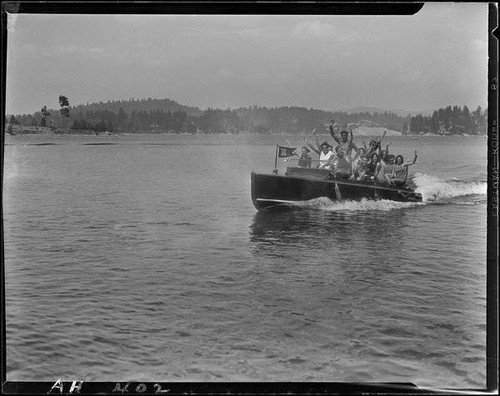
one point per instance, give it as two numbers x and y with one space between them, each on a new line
275 170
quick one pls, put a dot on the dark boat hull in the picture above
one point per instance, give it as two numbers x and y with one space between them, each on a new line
270 190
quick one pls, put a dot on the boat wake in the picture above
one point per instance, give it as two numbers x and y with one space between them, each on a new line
433 189
364 205
436 190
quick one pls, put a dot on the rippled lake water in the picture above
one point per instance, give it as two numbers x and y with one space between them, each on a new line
141 257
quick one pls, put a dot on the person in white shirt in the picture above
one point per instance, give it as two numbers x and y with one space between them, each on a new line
326 155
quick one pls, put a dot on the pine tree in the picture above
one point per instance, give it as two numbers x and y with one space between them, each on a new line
45 114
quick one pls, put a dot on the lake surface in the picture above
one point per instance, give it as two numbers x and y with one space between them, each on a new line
142 258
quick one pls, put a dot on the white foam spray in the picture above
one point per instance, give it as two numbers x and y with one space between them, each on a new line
434 189
363 205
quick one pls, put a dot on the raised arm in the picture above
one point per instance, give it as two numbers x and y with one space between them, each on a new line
380 140
407 165
349 145
378 148
332 123
414 160
317 151
352 146
379 143
316 139
387 148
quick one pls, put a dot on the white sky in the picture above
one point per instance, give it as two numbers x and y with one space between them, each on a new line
435 58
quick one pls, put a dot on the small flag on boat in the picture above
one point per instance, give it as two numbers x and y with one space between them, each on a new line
286 151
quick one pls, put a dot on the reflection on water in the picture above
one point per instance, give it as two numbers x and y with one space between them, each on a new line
343 249
296 227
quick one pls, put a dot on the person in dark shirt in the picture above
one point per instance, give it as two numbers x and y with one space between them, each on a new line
375 145
373 168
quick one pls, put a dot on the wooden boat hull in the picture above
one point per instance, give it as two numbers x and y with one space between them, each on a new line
298 185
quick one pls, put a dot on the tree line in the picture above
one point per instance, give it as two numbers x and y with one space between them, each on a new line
165 115
451 121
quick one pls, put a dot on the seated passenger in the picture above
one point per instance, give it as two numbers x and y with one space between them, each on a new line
360 169
385 167
383 156
357 158
384 153
389 167
400 171
305 158
342 167
373 147
373 168
326 155
380 174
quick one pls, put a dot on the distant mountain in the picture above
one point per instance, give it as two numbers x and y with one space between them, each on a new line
405 113
399 112
362 109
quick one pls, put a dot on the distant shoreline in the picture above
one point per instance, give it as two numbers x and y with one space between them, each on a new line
361 131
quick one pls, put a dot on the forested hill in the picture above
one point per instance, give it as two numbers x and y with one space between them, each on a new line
166 115
138 105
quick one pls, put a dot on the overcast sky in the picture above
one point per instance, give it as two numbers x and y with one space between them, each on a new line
435 58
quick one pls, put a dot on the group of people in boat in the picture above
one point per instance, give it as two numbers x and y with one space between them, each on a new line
349 162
